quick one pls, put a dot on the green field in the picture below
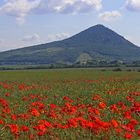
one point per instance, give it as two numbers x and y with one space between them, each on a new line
61 74
69 104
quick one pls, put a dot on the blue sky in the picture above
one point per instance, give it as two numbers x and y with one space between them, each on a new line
29 22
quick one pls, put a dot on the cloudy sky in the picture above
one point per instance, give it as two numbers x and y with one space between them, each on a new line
28 22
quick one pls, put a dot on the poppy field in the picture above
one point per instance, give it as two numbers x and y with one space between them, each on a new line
81 104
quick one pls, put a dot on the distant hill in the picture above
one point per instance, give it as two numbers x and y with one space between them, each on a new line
95 43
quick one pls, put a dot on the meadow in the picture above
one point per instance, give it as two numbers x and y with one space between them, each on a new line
69 104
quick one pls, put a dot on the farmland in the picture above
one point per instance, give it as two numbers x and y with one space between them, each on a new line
69 104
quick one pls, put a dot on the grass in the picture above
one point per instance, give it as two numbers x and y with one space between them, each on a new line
69 104
61 74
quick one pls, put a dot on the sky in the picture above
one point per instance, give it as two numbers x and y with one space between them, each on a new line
30 22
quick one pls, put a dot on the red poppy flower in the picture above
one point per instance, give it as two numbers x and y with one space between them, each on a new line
127 135
114 123
102 105
24 128
138 132
13 117
13 128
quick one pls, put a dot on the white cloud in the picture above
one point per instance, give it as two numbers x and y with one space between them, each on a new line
35 38
69 6
21 8
57 37
109 15
29 40
133 5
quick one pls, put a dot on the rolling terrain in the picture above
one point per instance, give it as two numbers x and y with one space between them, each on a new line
95 43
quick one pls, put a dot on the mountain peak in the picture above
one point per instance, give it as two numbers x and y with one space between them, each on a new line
98 26
96 33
